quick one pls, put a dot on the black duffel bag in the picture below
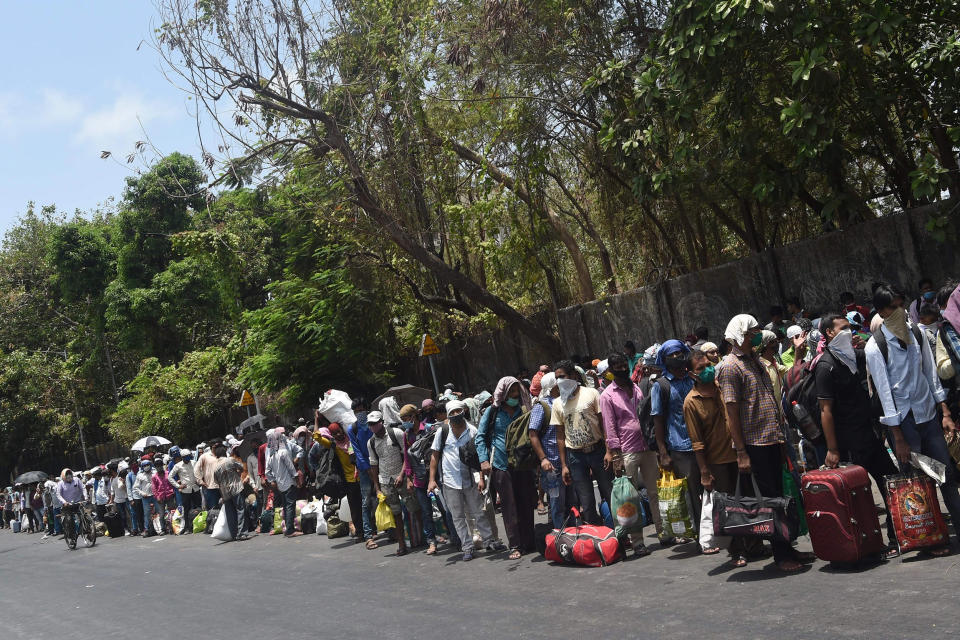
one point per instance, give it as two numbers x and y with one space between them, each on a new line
755 517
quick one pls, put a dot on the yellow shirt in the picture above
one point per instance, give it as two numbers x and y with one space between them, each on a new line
345 457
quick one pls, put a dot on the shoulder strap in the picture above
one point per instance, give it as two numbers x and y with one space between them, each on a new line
881 341
393 437
664 392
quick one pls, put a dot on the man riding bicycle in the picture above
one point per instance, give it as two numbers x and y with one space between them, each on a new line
71 493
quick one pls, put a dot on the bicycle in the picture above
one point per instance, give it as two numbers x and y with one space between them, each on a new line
77 521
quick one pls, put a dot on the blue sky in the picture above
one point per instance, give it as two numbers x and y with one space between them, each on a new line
75 84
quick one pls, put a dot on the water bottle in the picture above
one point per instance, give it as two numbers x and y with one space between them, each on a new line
807 426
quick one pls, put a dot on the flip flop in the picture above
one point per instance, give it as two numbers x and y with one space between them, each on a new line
514 554
371 544
739 562
709 551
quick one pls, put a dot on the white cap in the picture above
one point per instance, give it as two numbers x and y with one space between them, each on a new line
375 416
793 331
453 405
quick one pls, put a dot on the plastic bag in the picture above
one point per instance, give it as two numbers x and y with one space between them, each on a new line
630 515
384 515
221 530
278 520
673 505
707 538
933 468
157 522
176 522
915 511
791 489
200 522
336 406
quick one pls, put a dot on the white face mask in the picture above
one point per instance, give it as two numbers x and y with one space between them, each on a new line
842 347
567 388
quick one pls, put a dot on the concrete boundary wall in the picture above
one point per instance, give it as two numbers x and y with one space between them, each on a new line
895 249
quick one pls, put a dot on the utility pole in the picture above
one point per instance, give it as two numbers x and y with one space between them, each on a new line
76 415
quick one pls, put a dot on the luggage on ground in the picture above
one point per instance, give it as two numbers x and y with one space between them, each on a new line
114 524
200 522
266 521
212 516
221 529
772 518
673 505
308 523
337 528
917 520
628 509
841 516
587 545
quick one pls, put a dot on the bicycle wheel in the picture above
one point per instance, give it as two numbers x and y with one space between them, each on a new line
70 532
89 531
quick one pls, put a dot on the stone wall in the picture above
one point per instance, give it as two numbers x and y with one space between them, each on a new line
895 249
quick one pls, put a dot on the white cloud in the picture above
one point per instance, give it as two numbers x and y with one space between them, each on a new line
58 108
52 108
121 121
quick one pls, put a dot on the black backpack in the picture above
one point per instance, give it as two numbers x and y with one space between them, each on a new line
647 426
420 450
804 393
330 480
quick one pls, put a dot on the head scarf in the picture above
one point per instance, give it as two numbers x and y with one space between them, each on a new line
650 355
952 312
737 328
299 431
273 440
503 387
63 475
547 383
669 348
390 410
326 433
875 323
767 338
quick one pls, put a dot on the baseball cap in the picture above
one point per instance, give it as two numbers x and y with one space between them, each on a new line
793 331
374 417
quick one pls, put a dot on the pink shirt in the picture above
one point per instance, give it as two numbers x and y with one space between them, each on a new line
162 489
618 409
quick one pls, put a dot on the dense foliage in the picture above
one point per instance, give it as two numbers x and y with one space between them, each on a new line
391 167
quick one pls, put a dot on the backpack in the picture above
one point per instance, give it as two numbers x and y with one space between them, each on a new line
520 453
420 450
804 392
647 427
330 480
881 341
393 441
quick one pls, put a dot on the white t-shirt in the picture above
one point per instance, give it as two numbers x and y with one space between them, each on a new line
454 473
119 486
580 417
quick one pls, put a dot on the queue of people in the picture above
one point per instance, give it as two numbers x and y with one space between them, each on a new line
885 384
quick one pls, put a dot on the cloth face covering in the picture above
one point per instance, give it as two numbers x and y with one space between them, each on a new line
842 347
567 388
897 324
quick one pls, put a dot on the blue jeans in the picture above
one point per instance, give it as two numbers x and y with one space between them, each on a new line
211 498
581 465
558 505
366 499
146 501
136 514
927 438
426 514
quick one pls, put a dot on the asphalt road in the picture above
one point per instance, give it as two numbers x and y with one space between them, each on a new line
270 587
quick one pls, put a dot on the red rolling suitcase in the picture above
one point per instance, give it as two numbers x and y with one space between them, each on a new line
841 515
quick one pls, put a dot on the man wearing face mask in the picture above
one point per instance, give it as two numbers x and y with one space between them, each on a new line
706 419
905 379
585 453
387 455
673 440
516 487
632 455
753 418
928 295
845 413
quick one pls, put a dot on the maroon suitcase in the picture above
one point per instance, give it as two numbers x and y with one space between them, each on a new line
841 516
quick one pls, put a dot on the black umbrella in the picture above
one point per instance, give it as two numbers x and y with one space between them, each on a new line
405 394
30 477
245 447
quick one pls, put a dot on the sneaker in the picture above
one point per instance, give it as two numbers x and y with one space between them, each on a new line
467 556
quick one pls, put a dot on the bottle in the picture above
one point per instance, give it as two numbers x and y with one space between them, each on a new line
806 423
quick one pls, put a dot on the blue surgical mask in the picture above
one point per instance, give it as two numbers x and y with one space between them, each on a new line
407 425
513 402
929 296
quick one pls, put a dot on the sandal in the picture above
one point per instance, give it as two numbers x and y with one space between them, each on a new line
441 540
542 511
738 562
432 549
893 551
401 551
789 566
709 551
514 554
371 544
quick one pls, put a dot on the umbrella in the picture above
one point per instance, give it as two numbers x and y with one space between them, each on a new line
149 441
30 477
406 394
246 445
